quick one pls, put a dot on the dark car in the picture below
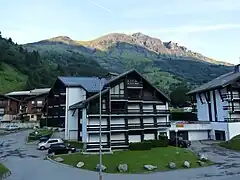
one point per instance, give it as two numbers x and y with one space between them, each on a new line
60 148
180 142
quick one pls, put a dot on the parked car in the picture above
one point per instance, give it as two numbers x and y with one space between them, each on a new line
46 144
60 148
43 139
180 142
12 127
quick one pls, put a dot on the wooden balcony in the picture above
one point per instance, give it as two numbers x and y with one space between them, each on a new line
229 97
233 109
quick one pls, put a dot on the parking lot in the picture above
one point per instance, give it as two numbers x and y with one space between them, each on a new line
27 163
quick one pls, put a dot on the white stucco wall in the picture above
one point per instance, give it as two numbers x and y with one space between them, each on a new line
73 95
220 112
219 126
234 129
202 109
149 136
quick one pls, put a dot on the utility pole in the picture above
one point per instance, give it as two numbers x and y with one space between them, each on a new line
100 130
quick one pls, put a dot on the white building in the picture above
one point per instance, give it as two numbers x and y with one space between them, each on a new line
218 102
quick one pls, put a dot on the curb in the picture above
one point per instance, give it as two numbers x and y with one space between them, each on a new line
5 175
61 164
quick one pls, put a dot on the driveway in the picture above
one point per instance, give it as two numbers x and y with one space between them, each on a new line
26 163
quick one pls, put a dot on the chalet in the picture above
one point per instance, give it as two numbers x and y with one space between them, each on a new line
133 109
9 107
218 102
31 102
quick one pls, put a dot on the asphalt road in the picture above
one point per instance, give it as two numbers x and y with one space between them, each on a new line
27 163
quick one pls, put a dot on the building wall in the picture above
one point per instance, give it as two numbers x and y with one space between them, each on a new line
202 108
73 95
234 129
220 104
219 126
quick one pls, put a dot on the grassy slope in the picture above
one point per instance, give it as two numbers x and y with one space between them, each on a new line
135 159
233 143
11 79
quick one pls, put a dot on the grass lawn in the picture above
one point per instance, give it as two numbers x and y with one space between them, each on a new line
135 159
3 169
233 143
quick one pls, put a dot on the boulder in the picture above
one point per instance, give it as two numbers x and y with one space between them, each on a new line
186 164
200 163
80 164
59 159
122 167
203 157
103 167
172 165
150 167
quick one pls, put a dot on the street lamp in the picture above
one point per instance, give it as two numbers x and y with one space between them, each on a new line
176 131
100 129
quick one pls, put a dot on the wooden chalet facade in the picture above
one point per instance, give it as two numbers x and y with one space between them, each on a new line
9 107
133 110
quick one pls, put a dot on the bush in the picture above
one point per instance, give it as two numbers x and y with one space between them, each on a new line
41 133
140 146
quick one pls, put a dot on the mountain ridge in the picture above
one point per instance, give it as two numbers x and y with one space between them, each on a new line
153 44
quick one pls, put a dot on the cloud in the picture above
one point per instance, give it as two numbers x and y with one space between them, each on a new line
100 6
188 29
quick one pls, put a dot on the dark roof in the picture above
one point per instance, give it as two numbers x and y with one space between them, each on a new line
9 97
90 84
219 82
82 104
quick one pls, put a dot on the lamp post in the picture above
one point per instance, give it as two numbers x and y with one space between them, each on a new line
100 130
176 130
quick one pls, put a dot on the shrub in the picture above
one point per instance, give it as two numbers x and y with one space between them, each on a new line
140 146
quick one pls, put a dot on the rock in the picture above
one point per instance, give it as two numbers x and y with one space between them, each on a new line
186 164
122 167
203 157
172 165
103 167
80 164
59 159
150 167
200 163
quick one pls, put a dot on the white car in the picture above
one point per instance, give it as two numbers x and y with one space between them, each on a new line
48 143
12 127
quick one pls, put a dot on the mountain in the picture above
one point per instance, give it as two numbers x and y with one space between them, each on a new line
166 64
20 69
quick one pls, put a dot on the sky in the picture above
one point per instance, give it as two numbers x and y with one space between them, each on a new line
210 27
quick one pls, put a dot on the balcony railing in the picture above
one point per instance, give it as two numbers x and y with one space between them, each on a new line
117 96
231 108
134 97
231 120
97 128
119 143
134 84
96 145
234 96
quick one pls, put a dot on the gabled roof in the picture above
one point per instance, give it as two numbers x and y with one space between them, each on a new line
84 103
219 82
32 92
9 97
90 84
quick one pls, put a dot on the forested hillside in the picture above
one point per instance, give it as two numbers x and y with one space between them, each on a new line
20 69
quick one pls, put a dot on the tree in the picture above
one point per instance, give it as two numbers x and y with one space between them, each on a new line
178 96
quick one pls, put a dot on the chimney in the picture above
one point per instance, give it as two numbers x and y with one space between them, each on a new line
237 68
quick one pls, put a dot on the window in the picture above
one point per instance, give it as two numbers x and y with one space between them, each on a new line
39 102
32 116
104 105
33 102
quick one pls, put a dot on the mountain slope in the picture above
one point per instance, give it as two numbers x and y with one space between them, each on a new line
165 63
20 69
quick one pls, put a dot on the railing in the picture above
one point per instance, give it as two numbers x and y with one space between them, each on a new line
96 145
132 84
117 96
134 96
134 110
118 111
228 96
118 127
231 120
231 108
97 127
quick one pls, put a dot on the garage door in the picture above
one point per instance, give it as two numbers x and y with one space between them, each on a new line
197 135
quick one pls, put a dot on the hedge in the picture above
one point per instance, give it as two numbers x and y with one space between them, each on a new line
140 146
41 133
